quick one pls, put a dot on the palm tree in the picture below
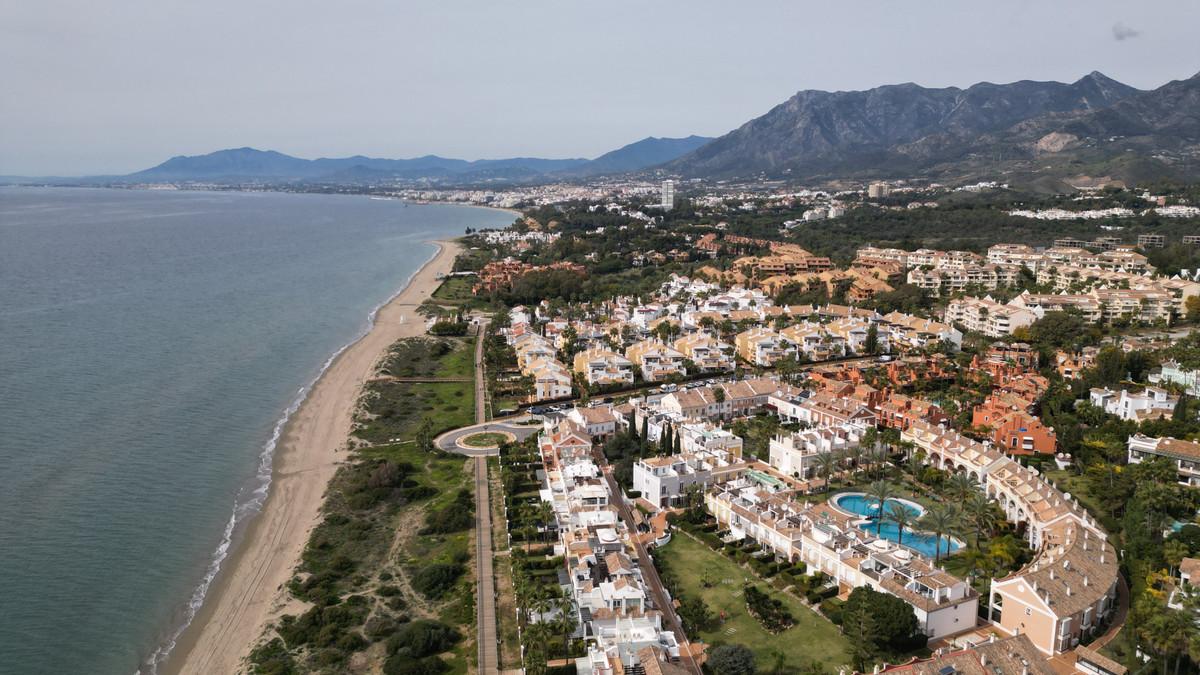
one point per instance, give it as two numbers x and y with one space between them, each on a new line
941 519
880 491
1170 631
879 458
902 516
566 619
981 513
961 485
853 455
541 604
546 515
826 464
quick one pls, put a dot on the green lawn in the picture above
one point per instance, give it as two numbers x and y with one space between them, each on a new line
454 291
812 638
485 440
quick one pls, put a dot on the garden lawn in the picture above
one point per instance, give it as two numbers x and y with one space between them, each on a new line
454 291
811 638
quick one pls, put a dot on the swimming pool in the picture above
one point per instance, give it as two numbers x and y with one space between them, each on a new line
924 543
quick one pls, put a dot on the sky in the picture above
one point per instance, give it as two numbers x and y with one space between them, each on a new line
114 86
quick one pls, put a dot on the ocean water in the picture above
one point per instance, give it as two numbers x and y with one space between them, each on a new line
150 344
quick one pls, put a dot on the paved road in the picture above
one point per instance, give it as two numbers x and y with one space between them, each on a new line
649 572
449 441
489 660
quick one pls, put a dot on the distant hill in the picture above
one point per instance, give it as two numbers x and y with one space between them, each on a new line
984 130
648 152
251 164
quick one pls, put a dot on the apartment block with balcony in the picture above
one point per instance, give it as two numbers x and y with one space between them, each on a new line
1185 455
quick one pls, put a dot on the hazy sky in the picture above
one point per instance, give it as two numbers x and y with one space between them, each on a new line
99 86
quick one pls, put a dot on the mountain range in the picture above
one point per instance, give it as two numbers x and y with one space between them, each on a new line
251 164
1025 130
1049 135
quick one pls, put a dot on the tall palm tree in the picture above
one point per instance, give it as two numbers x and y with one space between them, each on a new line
546 516
1170 632
879 457
902 516
961 485
853 457
826 464
941 519
981 513
880 491
566 619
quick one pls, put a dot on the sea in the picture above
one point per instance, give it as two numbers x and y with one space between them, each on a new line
152 344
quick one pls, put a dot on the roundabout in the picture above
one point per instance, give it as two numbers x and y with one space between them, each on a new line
484 439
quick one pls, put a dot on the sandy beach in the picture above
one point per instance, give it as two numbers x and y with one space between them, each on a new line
249 593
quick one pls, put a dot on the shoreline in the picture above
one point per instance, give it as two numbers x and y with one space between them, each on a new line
249 592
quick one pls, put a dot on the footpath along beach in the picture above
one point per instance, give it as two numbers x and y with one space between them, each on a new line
250 592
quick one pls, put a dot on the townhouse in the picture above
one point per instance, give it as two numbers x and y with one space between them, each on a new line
763 346
707 352
1150 403
656 360
795 453
985 315
602 367
1185 455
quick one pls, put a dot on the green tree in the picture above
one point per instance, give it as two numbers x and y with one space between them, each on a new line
871 344
732 659
859 628
695 614
895 628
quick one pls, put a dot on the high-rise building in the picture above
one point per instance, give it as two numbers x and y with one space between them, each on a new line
668 195
878 189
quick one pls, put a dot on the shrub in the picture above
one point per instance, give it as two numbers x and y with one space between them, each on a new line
422 638
769 611
272 658
403 665
833 609
435 580
456 516
732 659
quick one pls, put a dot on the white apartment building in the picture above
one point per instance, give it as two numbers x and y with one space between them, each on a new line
600 366
1150 403
795 454
1185 455
985 315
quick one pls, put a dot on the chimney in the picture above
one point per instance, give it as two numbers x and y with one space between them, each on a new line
1085 581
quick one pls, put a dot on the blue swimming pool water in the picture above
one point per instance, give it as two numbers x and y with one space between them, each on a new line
921 542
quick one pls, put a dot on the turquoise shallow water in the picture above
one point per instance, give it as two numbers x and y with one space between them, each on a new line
925 543
150 343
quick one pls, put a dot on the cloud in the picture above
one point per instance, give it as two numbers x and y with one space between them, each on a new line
1121 32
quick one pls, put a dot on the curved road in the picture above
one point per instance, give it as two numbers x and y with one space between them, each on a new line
449 441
